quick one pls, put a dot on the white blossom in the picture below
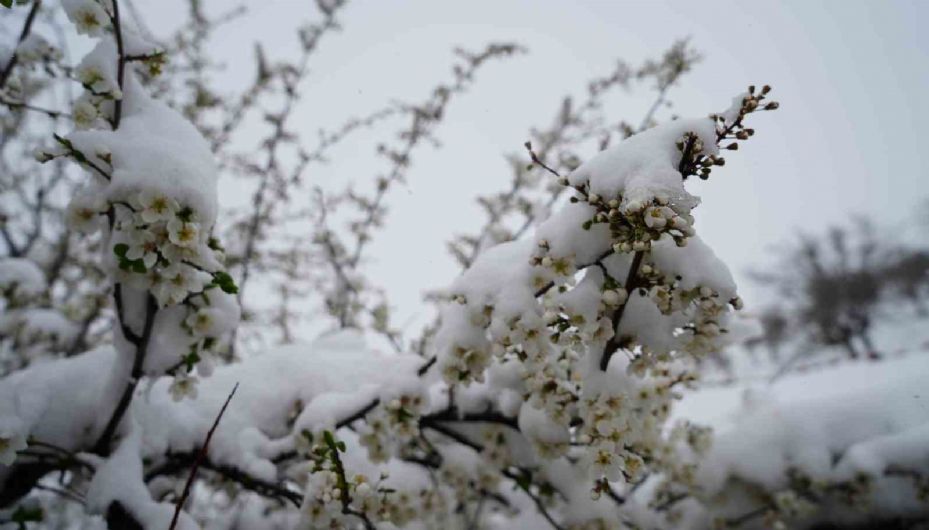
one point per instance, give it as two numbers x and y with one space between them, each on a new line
156 206
175 283
88 16
204 322
184 385
144 246
183 234
84 113
10 444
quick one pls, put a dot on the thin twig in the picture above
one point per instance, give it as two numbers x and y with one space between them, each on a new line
120 64
27 27
102 445
631 283
201 456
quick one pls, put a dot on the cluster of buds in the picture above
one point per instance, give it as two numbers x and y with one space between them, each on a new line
729 126
548 386
697 437
391 426
791 505
88 110
560 268
468 483
330 490
615 434
466 365
496 450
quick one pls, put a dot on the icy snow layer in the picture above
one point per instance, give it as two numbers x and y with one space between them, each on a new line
834 425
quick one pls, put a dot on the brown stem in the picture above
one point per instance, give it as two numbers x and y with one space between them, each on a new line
120 64
201 456
27 27
631 283
102 447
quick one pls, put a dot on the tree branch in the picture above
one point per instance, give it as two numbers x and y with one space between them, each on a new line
27 28
103 443
201 456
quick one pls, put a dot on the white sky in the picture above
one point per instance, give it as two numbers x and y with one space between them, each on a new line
851 78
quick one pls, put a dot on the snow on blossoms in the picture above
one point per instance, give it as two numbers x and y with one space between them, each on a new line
607 306
555 363
152 190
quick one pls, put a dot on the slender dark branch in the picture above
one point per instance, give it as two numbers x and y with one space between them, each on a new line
27 28
361 413
271 146
540 506
455 435
179 462
452 415
746 517
544 289
62 492
102 447
120 64
536 160
54 114
426 366
121 315
201 456
13 248
631 283
345 497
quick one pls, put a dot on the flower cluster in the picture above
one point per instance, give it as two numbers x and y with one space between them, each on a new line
620 271
391 426
332 494
10 443
90 17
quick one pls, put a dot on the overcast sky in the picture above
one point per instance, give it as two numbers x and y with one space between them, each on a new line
849 138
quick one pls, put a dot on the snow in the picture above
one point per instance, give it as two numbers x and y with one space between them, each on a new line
31 325
696 264
806 421
498 292
155 148
22 277
270 386
120 478
53 402
831 425
645 165
57 401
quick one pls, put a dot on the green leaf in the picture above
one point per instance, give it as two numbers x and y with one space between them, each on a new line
24 515
185 214
120 249
139 266
191 359
225 282
307 434
330 440
6 3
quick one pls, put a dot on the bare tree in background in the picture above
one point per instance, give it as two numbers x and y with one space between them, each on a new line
837 286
